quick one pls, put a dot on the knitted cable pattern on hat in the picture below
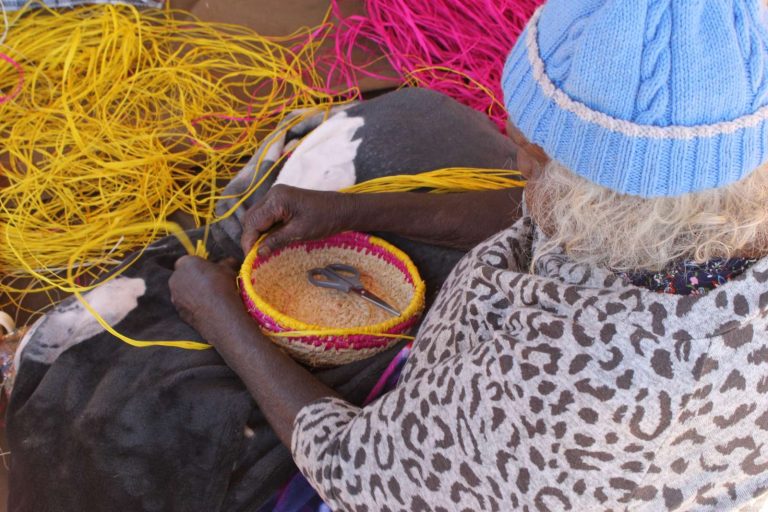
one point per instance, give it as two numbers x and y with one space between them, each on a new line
559 63
752 49
650 97
653 94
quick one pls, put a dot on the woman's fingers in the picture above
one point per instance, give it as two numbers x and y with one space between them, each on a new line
230 264
280 238
261 217
184 261
288 214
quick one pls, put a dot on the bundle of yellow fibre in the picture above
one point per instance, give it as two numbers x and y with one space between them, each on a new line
111 118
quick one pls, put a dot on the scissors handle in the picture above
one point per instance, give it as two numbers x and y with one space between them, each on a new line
336 277
346 278
346 271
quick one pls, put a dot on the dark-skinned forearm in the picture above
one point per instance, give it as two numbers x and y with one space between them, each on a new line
460 220
280 386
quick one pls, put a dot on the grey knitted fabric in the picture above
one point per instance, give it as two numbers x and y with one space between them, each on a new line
564 389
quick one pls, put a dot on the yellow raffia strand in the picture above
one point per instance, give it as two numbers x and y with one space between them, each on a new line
460 79
126 116
454 179
330 333
139 228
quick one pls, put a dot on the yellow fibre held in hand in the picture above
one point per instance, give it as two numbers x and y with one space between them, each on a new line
443 181
123 117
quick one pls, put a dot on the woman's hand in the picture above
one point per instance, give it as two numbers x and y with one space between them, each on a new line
296 214
205 294
459 220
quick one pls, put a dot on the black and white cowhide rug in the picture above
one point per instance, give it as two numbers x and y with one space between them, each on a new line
97 425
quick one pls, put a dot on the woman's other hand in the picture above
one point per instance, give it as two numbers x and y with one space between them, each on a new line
296 214
205 293
460 220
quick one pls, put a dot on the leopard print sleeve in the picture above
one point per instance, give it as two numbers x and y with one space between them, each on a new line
558 389
417 447
472 433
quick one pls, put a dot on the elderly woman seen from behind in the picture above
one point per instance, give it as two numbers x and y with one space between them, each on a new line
607 350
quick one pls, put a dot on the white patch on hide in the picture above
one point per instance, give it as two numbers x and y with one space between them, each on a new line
70 323
325 159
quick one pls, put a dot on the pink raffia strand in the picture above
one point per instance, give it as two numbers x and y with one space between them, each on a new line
452 46
19 82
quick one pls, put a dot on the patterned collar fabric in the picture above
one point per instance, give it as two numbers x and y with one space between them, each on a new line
688 278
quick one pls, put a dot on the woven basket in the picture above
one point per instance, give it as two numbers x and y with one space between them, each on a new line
322 327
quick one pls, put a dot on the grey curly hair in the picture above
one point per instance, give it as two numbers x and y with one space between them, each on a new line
597 226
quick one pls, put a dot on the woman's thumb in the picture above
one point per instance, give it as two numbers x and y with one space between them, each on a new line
278 238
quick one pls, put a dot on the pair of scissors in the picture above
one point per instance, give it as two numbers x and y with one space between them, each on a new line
346 278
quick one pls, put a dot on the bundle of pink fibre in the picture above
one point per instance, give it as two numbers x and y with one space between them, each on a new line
452 46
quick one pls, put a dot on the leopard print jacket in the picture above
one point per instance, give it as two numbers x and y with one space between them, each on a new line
561 389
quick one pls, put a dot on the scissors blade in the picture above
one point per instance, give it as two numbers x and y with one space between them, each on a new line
376 301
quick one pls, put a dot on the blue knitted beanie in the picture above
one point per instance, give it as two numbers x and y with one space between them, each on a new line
645 97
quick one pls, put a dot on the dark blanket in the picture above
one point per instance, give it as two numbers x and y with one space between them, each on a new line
95 424
112 427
